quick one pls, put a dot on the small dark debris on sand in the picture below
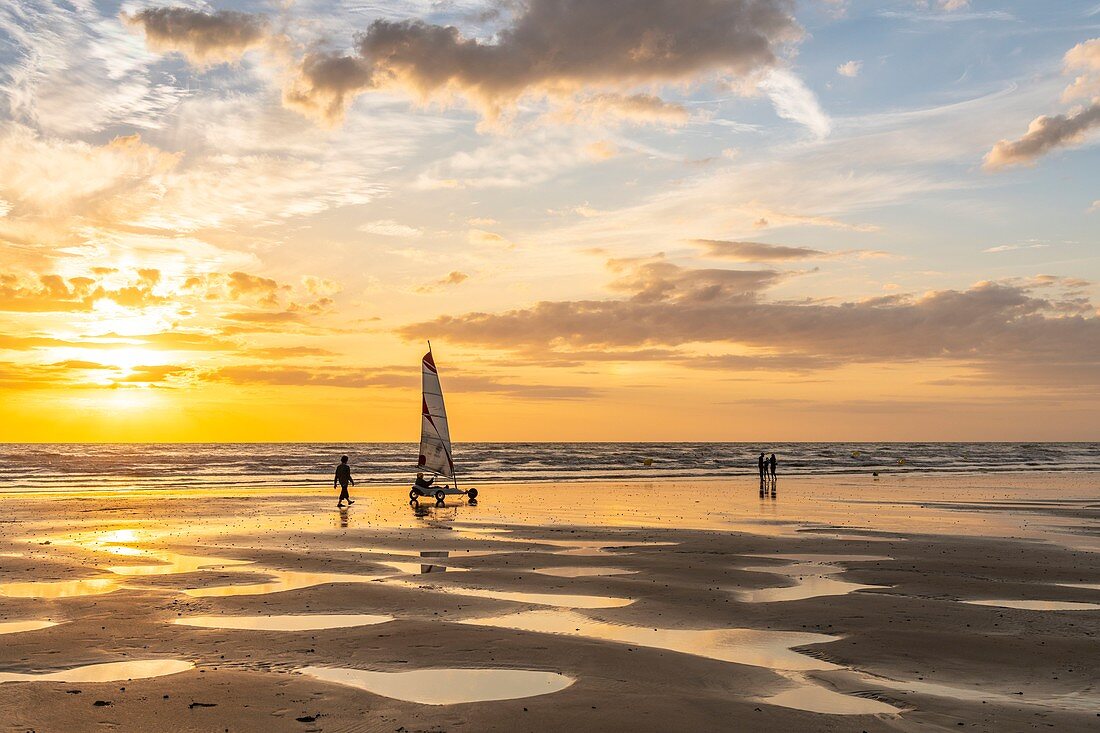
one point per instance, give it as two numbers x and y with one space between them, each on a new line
203 705
101 703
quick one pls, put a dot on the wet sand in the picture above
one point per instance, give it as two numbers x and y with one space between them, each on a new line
914 602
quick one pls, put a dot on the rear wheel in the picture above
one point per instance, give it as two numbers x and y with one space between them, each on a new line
413 493
472 493
439 496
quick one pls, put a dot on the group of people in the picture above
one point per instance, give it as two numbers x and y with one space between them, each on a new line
343 478
767 469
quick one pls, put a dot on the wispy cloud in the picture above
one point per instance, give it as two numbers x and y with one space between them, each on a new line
794 101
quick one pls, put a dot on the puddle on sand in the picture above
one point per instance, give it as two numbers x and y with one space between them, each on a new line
303 622
171 563
420 568
446 686
1086 586
582 572
108 672
810 574
771 649
1039 605
1082 701
284 580
810 696
15 627
557 600
59 588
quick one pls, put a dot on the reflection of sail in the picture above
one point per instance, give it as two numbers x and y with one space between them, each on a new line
432 554
435 436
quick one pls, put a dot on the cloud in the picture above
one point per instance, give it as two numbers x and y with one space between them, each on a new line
641 108
45 293
1084 57
454 278
850 69
551 47
482 238
391 228
756 251
761 252
1003 327
204 38
794 101
1043 135
1046 133
1013 247
388 377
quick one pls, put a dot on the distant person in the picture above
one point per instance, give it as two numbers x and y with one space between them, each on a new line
771 466
343 477
761 462
423 484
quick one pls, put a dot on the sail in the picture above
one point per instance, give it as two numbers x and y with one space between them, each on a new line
435 436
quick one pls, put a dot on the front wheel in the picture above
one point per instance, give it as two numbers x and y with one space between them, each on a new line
472 493
413 493
439 496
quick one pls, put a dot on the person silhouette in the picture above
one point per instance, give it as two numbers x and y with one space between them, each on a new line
343 477
760 462
771 465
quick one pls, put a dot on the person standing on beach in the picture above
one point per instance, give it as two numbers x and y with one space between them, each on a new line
343 477
771 466
760 462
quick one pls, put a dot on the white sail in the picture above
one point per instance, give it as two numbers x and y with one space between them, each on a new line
435 436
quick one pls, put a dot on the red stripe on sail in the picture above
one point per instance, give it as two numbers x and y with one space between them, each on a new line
424 411
429 362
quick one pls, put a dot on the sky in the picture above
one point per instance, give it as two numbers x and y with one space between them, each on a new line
626 220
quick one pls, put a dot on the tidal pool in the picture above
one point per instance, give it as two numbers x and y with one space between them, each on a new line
1039 605
15 627
446 686
301 622
810 575
284 580
107 672
811 696
582 572
771 649
59 588
557 600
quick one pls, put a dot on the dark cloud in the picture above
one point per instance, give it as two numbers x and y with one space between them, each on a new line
552 46
202 37
1001 327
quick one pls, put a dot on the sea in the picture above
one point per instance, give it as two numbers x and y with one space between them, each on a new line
53 467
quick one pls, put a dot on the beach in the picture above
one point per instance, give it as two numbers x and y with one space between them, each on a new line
900 602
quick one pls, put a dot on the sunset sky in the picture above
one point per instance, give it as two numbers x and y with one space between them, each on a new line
614 219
